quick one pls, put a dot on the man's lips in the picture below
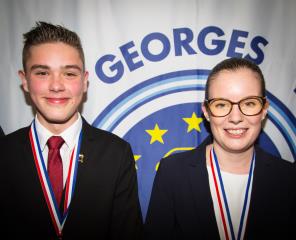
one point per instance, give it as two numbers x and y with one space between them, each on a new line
57 100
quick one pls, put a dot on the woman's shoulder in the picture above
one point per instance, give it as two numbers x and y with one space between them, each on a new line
181 159
278 164
272 158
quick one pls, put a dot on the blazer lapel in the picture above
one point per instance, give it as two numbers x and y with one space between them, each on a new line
89 182
202 195
30 181
87 149
30 171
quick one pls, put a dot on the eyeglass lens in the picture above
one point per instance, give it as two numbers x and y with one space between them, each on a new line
248 106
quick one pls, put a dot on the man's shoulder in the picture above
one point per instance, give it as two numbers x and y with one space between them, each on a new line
13 141
17 135
102 135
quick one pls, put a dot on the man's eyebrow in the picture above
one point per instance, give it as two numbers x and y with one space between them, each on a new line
72 66
47 67
39 66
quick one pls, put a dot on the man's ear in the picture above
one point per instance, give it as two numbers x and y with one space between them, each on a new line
85 81
205 112
23 78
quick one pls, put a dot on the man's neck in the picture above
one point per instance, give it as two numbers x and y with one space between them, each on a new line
57 127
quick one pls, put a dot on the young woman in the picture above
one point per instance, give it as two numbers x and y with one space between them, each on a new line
227 188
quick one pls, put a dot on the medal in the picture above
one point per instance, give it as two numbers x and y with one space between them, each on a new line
222 198
57 218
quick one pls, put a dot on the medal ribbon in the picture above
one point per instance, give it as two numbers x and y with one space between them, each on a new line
223 206
57 218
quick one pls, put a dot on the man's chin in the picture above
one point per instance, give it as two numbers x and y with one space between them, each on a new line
60 119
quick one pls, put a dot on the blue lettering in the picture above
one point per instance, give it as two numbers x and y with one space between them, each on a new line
235 43
165 47
210 41
201 41
183 43
255 47
116 67
129 56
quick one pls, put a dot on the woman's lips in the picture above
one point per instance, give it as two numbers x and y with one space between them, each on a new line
236 132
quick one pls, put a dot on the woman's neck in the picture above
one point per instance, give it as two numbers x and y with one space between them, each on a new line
237 163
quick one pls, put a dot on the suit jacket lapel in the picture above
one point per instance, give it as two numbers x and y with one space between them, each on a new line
202 195
30 171
31 182
90 184
87 149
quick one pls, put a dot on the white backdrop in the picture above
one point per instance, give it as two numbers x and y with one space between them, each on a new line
263 30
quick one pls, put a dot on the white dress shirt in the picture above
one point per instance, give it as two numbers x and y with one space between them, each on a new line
235 188
70 136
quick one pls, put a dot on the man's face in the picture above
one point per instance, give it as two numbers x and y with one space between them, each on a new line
56 82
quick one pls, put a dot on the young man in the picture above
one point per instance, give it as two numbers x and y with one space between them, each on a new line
61 178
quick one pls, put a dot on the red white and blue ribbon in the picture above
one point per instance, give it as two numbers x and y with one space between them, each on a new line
58 219
222 199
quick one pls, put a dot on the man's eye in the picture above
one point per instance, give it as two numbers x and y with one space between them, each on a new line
70 74
41 73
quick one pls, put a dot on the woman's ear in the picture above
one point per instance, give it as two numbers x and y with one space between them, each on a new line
264 111
205 112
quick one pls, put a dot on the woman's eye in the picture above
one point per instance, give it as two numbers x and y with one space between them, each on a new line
220 105
250 104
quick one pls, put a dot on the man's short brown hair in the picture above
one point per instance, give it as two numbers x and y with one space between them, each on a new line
48 33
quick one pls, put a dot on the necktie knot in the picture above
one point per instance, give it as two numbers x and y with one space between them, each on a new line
55 142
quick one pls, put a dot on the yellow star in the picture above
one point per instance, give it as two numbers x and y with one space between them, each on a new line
193 122
156 134
137 157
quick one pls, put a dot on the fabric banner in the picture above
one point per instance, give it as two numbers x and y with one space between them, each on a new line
148 64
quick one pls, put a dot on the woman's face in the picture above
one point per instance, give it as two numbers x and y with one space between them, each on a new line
236 132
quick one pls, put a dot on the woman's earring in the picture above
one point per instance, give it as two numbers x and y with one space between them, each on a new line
263 118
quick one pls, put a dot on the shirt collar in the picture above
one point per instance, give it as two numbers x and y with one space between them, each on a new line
70 135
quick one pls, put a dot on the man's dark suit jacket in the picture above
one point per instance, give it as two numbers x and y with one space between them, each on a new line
181 205
1 132
105 203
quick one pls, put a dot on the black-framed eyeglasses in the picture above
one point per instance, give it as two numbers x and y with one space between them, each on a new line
249 106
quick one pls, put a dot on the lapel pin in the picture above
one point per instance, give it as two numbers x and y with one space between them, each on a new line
81 158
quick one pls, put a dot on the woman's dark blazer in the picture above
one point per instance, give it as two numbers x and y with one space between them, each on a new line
181 206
